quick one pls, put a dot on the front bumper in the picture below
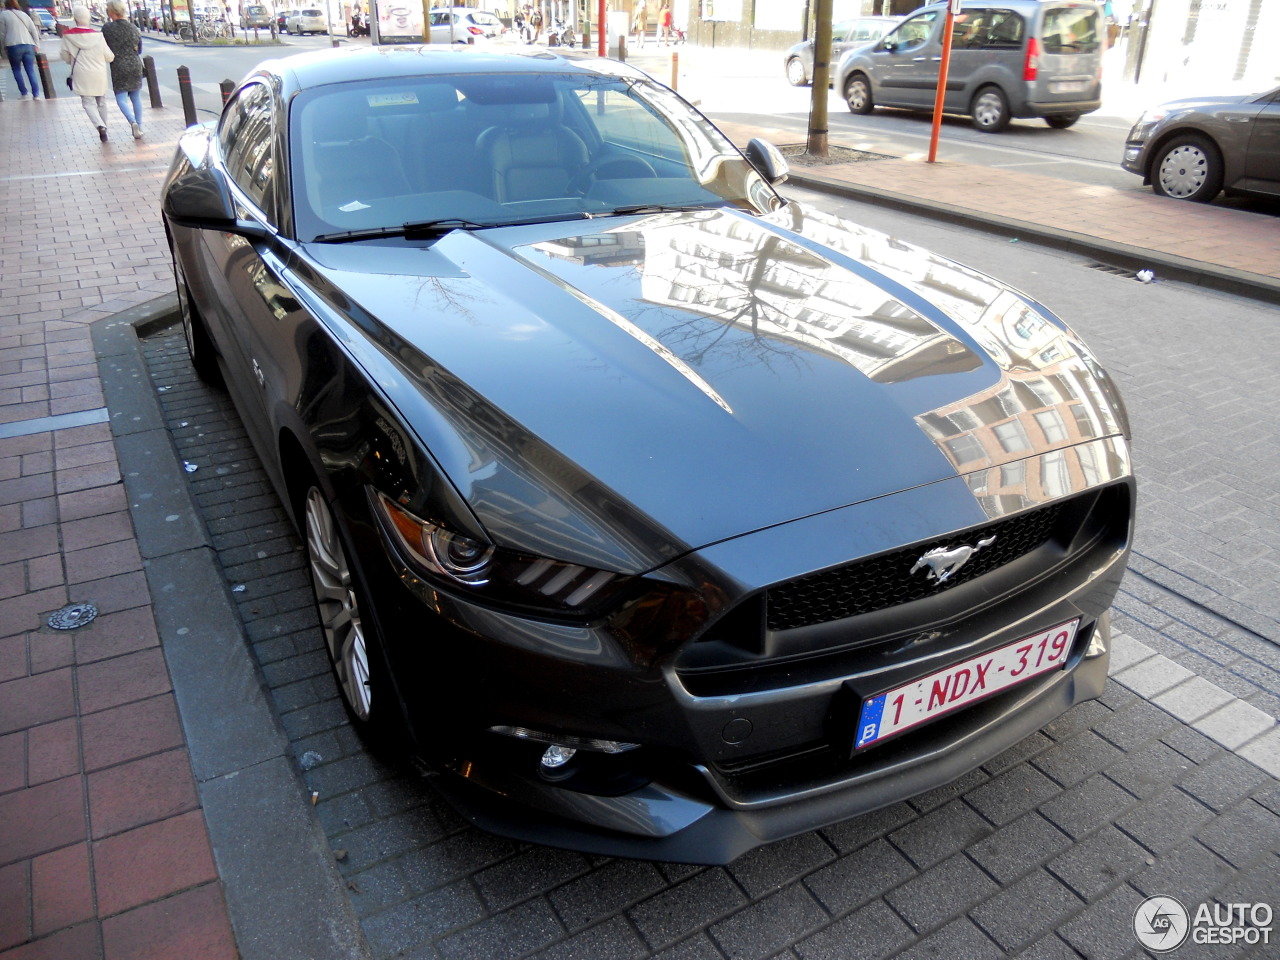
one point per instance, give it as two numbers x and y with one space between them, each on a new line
683 824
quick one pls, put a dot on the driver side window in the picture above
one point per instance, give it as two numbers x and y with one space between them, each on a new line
913 34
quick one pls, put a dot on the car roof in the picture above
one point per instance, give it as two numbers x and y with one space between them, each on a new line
322 67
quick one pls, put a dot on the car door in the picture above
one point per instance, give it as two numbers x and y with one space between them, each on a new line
1262 162
906 62
249 271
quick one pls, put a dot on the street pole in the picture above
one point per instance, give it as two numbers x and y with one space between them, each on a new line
600 42
952 9
817 142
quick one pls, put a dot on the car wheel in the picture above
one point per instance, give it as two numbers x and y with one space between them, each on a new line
1188 167
1060 121
795 73
338 602
990 110
857 93
199 345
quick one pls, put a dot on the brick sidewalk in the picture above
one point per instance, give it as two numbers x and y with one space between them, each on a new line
103 845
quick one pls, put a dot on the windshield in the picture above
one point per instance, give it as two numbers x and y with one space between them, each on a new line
492 149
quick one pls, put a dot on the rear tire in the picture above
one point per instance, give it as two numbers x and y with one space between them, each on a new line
857 94
990 110
796 75
199 345
1188 167
1060 121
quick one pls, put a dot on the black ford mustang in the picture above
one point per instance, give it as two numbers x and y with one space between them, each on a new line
662 516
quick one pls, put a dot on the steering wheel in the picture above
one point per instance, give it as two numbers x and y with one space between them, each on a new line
619 168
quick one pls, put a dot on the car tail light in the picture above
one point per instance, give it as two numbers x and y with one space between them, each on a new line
475 31
1031 69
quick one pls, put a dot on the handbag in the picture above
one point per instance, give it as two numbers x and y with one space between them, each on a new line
73 71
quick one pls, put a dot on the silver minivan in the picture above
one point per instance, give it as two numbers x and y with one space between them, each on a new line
1009 58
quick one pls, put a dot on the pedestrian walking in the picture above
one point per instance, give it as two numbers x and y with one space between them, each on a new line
126 69
21 41
664 21
535 24
85 49
640 22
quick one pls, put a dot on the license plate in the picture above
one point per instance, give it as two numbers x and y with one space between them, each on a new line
964 683
1069 86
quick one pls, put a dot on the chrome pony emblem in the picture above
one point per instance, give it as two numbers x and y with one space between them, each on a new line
943 562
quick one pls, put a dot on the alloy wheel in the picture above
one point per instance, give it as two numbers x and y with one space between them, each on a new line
338 605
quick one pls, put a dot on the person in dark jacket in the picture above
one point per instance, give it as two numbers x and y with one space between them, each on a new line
126 69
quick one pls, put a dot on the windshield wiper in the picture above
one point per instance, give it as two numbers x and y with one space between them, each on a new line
416 230
659 208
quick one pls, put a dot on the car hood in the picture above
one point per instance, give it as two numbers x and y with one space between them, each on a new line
702 374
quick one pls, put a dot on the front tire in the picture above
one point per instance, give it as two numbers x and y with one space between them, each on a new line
857 94
796 75
1188 167
990 110
1060 121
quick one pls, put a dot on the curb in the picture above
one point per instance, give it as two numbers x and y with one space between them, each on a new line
1167 266
284 895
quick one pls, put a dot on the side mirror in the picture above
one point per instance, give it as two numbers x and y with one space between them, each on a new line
768 160
195 191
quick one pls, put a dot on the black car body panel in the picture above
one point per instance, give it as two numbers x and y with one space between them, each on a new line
1244 130
748 466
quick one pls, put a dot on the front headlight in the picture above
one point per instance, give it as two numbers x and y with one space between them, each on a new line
492 574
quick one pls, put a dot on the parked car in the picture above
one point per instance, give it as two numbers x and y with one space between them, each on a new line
1009 59
45 20
1193 149
306 21
464 25
661 515
282 20
846 35
255 15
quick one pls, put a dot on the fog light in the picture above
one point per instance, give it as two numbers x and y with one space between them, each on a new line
557 756
565 740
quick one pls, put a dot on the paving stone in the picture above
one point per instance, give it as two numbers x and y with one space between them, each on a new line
1221 782
771 867
940 833
702 899
1135 724
1264 752
1193 699
1100 862
941 893
512 933
851 834
190 924
606 890
862 875
529 873
1099 933
1019 847
1025 910
1012 794
871 932
1149 770
1078 758
958 939
1088 805
769 924
425 917
1234 835
1152 677
615 939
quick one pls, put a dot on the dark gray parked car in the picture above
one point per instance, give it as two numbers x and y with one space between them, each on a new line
662 516
846 35
1192 149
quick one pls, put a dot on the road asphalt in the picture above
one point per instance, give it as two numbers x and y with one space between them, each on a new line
160 794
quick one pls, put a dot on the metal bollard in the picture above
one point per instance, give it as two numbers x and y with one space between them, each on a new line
188 96
675 68
622 48
333 41
46 79
153 84
226 86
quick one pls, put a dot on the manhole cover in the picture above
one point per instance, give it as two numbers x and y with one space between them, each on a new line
73 615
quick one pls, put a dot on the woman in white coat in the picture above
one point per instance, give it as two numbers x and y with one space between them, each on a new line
85 49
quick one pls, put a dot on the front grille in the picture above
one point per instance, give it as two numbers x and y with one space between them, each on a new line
885 581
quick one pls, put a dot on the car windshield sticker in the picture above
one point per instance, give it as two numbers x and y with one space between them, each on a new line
392 99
